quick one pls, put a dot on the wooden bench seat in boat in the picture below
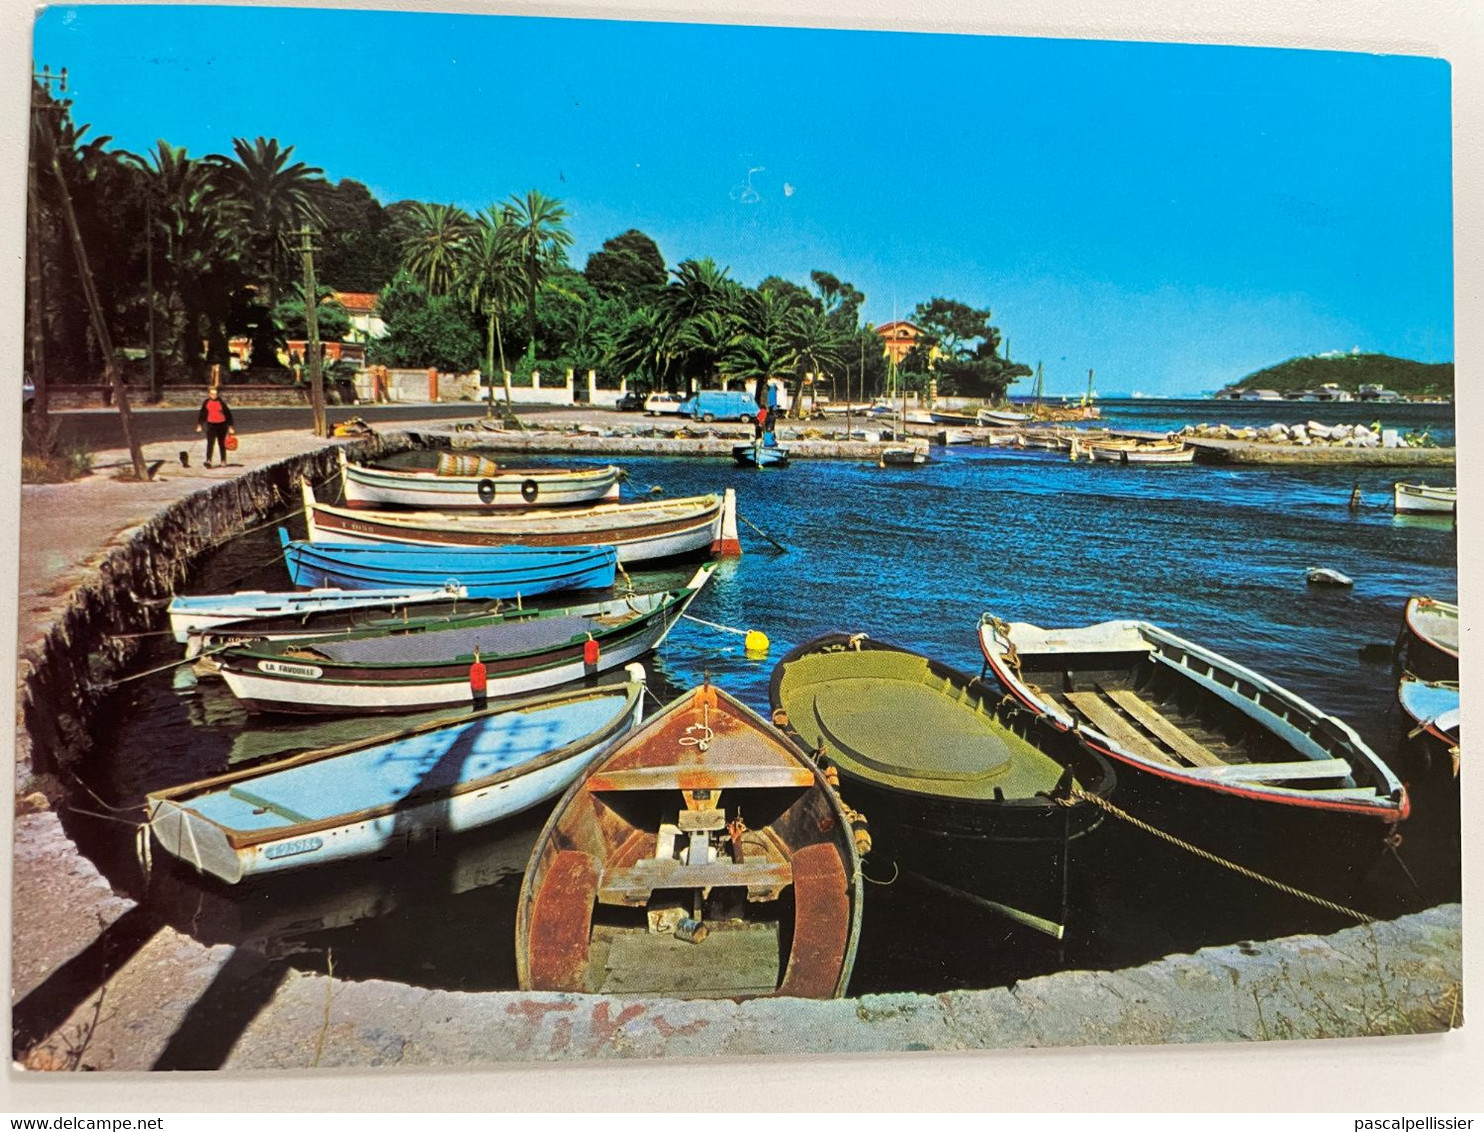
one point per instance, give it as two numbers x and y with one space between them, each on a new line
719 777
635 884
1274 772
1150 716
1107 720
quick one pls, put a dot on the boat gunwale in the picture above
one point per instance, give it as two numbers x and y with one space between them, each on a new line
1392 806
1414 606
953 677
840 837
632 692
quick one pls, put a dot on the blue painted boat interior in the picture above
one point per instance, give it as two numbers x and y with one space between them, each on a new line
389 772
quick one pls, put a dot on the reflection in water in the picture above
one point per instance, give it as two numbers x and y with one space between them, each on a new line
1217 554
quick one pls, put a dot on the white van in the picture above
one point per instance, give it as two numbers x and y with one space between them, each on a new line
657 403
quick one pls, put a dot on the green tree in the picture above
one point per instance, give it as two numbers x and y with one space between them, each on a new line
358 250
433 239
423 329
628 266
541 235
490 278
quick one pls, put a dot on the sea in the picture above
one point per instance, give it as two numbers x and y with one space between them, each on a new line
912 556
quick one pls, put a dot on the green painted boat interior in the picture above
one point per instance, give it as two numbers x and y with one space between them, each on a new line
886 717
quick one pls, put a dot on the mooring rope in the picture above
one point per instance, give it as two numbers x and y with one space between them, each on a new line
1076 792
714 625
762 532
107 684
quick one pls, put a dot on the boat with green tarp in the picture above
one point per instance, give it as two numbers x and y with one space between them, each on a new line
963 792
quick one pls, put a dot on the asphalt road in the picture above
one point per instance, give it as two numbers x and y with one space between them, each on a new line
100 428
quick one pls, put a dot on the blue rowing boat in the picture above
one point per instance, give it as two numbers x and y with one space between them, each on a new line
484 572
759 456
365 796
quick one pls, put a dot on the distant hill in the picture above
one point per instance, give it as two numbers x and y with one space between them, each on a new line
1351 371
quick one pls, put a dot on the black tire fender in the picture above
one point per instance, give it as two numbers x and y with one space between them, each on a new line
486 491
529 490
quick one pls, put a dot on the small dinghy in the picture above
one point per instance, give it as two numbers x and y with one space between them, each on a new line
1001 417
473 482
483 571
705 857
1422 499
961 794
1428 644
194 615
950 436
760 456
1206 749
427 664
1433 708
1324 576
903 457
361 798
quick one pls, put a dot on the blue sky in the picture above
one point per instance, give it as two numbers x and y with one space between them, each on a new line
1173 217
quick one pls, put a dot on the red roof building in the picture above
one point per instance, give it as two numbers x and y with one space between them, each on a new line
898 337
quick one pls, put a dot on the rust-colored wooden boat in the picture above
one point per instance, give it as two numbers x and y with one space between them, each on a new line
705 857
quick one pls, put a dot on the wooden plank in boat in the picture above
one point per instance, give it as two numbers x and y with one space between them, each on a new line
1170 732
700 777
634 884
729 962
1275 772
1115 727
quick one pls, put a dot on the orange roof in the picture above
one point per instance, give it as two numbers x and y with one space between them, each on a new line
897 327
357 302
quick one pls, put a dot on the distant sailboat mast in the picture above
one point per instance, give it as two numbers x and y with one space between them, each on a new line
1089 396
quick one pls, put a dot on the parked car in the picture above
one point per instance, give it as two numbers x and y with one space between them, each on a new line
720 405
657 403
631 402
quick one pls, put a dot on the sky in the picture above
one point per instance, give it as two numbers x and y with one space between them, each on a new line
1172 217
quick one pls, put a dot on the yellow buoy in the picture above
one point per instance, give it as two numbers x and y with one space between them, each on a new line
756 643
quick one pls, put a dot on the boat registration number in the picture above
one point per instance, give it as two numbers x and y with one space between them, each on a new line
279 668
295 847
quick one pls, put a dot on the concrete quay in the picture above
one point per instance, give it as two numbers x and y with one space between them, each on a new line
89 962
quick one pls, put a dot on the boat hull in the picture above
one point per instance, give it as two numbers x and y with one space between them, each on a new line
304 680
976 824
1324 791
484 572
1421 499
1428 644
706 826
507 488
198 615
751 456
637 532
182 825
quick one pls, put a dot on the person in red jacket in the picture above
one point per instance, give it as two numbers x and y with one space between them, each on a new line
216 417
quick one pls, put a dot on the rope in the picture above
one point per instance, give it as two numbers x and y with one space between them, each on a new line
895 872
762 532
106 685
1082 795
714 625
107 817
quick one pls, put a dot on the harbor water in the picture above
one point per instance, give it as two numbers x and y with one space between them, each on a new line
912 556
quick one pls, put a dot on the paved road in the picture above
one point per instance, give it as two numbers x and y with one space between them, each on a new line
99 428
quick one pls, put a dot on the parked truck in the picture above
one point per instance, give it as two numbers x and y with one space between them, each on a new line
719 405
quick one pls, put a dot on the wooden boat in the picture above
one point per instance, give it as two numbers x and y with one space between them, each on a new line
999 439
759 456
949 436
427 665
1001 417
483 571
639 532
1419 498
956 420
1207 749
360 798
960 792
473 482
917 416
1157 453
705 857
903 457
1432 706
193 615
1428 643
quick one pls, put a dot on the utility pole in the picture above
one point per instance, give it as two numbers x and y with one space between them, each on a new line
34 300
149 285
311 348
85 276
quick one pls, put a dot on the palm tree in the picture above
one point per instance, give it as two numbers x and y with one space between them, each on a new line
642 347
432 239
272 199
815 343
198 255
489 277
542 237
